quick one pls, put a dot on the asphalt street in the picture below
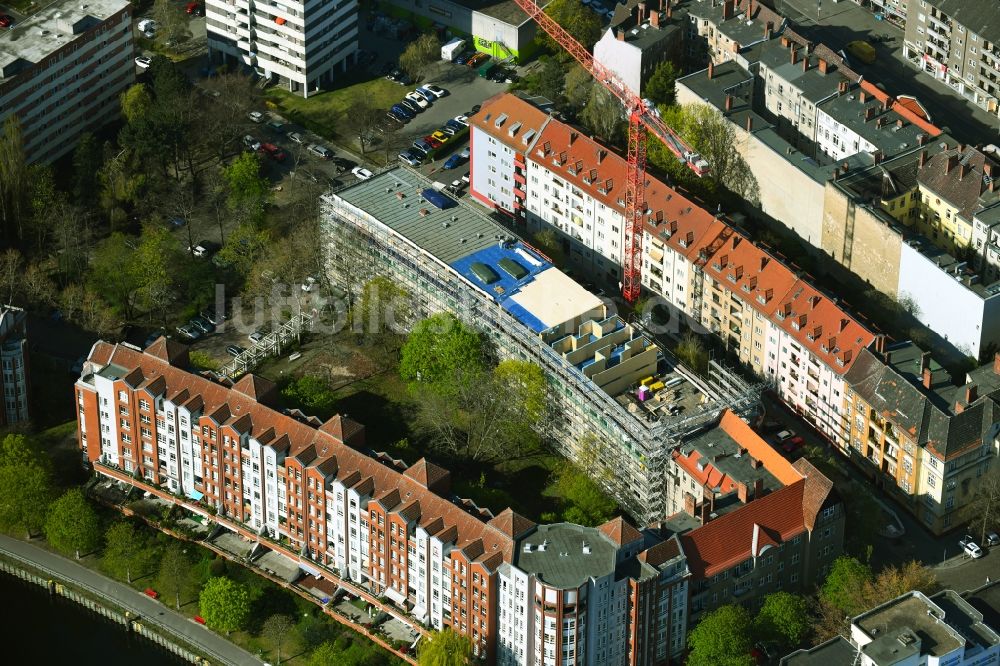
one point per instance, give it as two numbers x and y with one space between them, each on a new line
149 610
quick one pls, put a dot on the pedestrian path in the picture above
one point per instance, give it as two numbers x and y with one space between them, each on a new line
151 612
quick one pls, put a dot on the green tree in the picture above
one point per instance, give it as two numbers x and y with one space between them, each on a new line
327 654
25 486
86 167
419 54
844 587
174 574
440 352
244 247
578 87
225 604
691 351
576 19
72 524
714 137
603 113
248 189
171 22
125 550
136 103
154 266
310 393
112 275
549 81
547 240
14 185
784 618
276 630
384 306
445 648
585 501
660 85
721 638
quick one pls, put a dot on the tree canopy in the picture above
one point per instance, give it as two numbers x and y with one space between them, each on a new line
125 550
174 574
440 351
784 617
25 486
225 604
72 525
420 53
660 85
844 587
721 638
445 648
576 19
586 503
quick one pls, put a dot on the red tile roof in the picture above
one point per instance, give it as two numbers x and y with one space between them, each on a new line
909 109
316 447
773 462
620 531
726 541
517 111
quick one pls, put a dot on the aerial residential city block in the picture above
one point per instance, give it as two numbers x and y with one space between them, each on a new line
515 332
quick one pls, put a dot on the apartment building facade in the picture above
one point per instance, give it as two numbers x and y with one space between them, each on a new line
921 434
303 45
62 71
956 42
14 363
636 42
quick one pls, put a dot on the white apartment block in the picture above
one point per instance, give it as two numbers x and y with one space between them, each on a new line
62 71
301 44
14 383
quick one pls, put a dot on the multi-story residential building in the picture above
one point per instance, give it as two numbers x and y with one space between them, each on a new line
785 540
302 45
921 434
720 29
955 185
778 324
722 469
621 409
524 594
635 44
955 41
894 11
62 71
945 628
15 381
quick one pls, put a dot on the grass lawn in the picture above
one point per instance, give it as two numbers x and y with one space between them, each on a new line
322 113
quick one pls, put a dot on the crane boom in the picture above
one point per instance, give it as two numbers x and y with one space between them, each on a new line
643 119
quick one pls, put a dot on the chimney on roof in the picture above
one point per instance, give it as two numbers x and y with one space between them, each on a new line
758 488
729 102
621 34
706 511
749 123
988 169
880 343
763 263
899 123
742 493
961 148
795 55
923 158
921 139
869 113
736 47
749 9
601 153
654 19
755 463
925 361
863 96
963 171
768 27
805 63
844 322
841 87
959 407
927 378
785 42
640 12
727 9
971 393
572 137
711 69
886 103
950 164
996 363
823 65
669 13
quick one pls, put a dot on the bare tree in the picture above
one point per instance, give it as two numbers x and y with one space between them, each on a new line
11 266
420 53
14 185
985 506
362 120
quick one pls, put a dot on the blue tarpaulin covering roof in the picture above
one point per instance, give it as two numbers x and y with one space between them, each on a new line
442 201
502 289
195 495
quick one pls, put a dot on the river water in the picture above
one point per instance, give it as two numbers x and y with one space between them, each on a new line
43 629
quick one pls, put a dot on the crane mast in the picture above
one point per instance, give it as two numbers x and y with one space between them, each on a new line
642 118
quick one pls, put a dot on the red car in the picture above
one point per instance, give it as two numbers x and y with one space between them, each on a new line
193 8
276 153
433 142
6 20
793 444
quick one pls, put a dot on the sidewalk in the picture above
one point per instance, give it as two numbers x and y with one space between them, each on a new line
151 611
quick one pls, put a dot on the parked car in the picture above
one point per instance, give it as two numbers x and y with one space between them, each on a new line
251 143
211 315
441 136
474 110
145 25
321 151
463 120
361 173
295 137
204 249
433 141
403 111
450 131
784 435
273 151
257 335
153 337
410 158
256 116
426 94
177 222
417 152
455 125
276 126
410 106
992 539
465 152
235 350
972 550
394 75
862 50
424 146
453 161
418 99
436 90
202 325
397 117
194 9
309 284
6 20
188 331
143 61
465 178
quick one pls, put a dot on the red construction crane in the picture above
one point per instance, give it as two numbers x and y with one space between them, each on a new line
642 116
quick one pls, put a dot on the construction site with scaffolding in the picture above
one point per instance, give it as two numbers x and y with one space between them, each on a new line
623 404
